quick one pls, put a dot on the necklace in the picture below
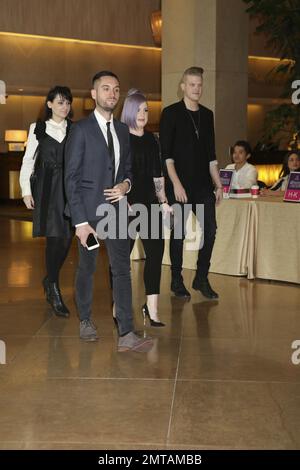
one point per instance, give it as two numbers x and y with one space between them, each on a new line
196 128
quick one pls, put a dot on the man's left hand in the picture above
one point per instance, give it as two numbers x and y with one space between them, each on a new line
116 193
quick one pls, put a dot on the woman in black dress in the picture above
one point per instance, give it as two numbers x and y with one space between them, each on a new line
44 194
147 189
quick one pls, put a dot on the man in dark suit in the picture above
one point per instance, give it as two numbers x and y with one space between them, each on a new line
97 172
188 149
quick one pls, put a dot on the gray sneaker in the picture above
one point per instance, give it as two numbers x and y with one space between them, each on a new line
132 342
88 330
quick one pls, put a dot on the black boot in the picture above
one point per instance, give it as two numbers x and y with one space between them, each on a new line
56 301
205 288
179 288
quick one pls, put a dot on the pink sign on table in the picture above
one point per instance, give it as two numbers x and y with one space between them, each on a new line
226 179
292 192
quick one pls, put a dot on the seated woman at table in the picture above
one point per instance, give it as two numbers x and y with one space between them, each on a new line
291 162
245 174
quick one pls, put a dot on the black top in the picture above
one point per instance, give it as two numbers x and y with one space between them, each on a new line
146 165
179 132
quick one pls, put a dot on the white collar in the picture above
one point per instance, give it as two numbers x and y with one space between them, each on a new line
59 125
246 164
101 119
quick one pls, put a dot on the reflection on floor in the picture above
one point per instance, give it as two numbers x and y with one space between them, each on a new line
219 375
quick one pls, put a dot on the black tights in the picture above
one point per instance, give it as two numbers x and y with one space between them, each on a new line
57 249
154 250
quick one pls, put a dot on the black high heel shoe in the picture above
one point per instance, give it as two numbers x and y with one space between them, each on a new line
114 318
152 322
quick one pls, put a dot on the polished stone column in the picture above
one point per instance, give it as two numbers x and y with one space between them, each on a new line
212 34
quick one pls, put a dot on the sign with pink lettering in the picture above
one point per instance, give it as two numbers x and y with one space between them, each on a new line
292 192
226 179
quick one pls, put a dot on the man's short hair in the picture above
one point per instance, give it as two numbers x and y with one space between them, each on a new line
103 73
198 71
245 145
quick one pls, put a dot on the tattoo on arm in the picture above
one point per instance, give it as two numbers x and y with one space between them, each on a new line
158 185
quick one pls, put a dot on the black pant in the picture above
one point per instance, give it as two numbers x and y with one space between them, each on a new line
204 254
154 250
57 249
119 258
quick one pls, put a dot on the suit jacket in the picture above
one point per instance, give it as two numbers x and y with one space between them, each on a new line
177 138
88 168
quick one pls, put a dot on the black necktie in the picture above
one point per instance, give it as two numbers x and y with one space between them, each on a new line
110 144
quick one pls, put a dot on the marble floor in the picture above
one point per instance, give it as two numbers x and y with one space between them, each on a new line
219 376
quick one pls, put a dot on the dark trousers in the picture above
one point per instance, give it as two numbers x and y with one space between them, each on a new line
204 254
154 250
57 249
119 258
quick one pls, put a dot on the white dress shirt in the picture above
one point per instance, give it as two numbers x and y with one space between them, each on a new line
243 178
57 131
102 124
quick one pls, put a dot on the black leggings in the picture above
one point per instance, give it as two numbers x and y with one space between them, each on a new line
57 249
154 250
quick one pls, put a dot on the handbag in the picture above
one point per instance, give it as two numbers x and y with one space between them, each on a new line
33 176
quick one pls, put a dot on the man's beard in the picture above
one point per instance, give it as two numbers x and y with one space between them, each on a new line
107 108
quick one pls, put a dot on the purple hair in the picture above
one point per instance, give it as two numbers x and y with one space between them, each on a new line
131 106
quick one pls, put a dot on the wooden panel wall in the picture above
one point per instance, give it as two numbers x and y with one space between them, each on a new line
36 64
33 65
118 21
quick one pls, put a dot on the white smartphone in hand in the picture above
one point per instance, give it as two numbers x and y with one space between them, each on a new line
92 242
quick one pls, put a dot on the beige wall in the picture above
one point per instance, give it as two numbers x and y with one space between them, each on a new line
117 21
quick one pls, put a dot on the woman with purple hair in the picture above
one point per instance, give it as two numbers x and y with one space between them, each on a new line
148 188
